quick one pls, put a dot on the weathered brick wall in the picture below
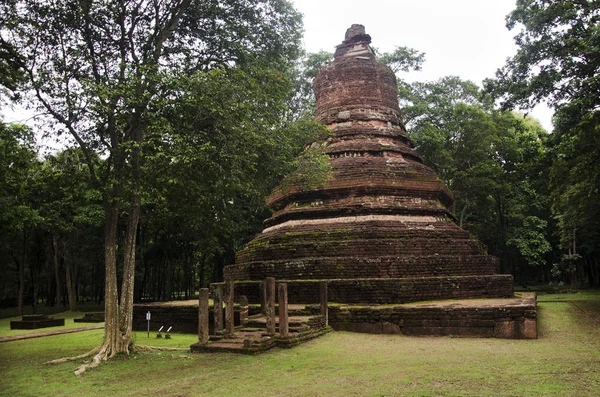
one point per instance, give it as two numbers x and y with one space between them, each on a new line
517 321
360 267
357 240
385 291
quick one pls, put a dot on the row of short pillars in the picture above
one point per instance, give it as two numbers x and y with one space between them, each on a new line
267 305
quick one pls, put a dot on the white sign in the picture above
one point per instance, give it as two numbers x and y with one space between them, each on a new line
148 316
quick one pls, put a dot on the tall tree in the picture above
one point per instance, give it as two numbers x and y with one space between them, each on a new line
491 162
557 61
213 168
557 58
575 194
70 209
98 69
19 169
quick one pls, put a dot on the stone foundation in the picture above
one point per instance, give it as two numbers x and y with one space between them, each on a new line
495 318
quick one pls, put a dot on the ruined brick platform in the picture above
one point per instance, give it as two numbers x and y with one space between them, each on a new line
380 229
35 321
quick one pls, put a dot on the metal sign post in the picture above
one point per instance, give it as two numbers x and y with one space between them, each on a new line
148 319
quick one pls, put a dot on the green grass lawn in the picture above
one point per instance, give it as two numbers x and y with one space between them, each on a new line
564 361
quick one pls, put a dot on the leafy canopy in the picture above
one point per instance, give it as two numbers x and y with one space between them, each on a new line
557 59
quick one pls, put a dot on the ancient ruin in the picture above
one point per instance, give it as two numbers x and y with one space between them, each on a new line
380 230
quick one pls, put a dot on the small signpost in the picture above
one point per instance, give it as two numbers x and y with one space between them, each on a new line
148 319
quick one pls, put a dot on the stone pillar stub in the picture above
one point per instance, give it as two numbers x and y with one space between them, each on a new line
243 309
323 301
229 307
203 315
270 305
283 309
218 307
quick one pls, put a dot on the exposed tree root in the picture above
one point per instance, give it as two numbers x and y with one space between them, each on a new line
98 358
67 359
101 354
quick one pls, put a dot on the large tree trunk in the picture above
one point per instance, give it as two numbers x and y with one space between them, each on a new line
70 286
112 332
127 286
57 297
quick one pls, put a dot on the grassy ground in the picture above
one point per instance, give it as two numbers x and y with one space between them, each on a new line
564 361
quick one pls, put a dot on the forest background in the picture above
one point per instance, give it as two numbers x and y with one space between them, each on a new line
185 114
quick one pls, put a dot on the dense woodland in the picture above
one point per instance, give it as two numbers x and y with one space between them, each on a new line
178 119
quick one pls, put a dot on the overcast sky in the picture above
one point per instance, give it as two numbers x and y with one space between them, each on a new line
466 38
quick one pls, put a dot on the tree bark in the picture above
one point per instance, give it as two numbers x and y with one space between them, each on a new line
57 297
112 332
21 287
70 286
127 284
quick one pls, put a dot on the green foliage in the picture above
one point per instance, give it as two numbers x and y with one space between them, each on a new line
302 103
530 240
575 182
19 203
223 143
312 168
403 59
18 169
556 59
181 97
492 161
11 74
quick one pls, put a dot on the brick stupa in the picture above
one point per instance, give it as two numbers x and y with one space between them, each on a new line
380 230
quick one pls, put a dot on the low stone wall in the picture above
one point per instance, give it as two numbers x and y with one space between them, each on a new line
385 291
183 319
501 319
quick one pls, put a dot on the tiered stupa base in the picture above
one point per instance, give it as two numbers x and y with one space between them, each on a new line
381 259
